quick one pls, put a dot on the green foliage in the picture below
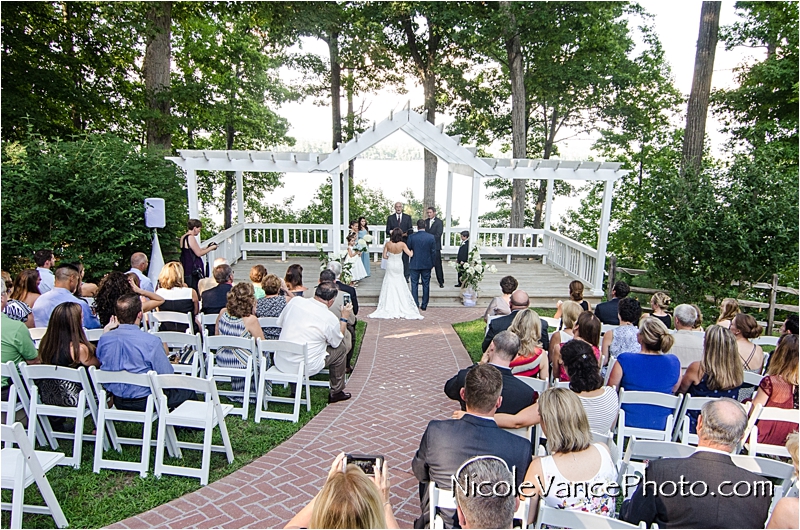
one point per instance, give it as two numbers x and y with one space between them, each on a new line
367 202
413 206
85 199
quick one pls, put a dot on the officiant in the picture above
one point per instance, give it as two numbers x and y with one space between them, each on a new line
402 221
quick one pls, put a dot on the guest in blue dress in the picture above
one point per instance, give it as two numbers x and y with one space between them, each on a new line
363 230
719 374
650 370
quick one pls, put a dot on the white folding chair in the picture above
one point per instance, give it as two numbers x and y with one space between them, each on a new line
9 369
93 335
682 424
40 413
752 378
533 433
195 414
107 416
769 468
606 327
299 378
204 320
561 384
23 466
155 318
761 413
220 373
552 323
10 406
639 451
766 340
558 518
765 363
612 360
538 385
608 440
268 322
37 333
668 401
175 340
444 499
489 321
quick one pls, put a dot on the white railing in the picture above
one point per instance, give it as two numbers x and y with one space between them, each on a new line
230 245
576 259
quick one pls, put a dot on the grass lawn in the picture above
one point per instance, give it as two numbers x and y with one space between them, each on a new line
93 500
471 333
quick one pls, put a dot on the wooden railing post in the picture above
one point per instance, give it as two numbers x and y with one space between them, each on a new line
612 275
772 295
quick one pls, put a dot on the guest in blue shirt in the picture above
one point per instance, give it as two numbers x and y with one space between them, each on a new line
128 348
66 280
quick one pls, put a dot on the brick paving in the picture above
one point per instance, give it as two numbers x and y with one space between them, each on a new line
397 389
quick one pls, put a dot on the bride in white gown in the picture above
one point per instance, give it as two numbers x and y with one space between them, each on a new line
395 300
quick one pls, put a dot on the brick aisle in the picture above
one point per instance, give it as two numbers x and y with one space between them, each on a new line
397 388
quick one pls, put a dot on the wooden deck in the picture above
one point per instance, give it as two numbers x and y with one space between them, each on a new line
544 284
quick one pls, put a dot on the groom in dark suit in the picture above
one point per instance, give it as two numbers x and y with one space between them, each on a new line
424 246
435 227
403 222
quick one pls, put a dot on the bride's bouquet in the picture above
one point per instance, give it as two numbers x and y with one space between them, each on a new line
363 243
326 257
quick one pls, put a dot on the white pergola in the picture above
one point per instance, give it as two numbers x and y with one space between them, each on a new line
461 160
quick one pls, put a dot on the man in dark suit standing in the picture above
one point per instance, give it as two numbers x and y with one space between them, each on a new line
424 246
608 312
705 490
402 221
519 302
447 444
435 227
463 252
516 394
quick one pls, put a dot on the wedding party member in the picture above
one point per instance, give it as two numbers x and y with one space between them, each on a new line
395 300
192 254
363 232
463 253
402 221
435 227
423 246
357 271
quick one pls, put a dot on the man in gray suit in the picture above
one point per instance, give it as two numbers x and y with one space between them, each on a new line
447 444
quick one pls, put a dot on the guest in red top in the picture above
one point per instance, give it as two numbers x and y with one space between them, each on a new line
530 361
779 389
587 329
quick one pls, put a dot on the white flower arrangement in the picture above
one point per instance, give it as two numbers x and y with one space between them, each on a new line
473 269
326 258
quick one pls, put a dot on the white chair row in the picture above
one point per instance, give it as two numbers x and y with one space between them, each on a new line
443 499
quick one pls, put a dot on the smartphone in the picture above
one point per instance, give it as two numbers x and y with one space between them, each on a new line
346 298
367 463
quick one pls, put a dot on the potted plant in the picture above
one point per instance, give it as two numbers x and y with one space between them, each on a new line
472 272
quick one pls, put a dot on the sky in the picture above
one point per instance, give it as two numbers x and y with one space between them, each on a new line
676 24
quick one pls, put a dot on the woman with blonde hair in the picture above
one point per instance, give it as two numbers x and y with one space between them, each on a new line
573 455
530 361
785 514
177 295
719 374
659 303
779 389
349 499
728 309
570 311
650 370
744 327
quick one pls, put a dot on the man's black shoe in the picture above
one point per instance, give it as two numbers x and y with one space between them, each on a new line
423 308
458 285
338 396
441 286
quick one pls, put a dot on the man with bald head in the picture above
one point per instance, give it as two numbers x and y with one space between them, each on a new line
705 490
402 221
519 302
139 264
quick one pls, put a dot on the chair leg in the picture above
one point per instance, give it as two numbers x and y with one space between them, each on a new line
246 398
52 502
18 495
206 461
100 439
226 441
160 440
308 395
298 397
260 396
147 434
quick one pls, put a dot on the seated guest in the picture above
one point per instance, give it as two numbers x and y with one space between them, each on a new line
623 338
720 427
349 499
329 276
67 279
650 370
659 303
308 321
728 309
688 347
531 360
575 295
45 261
336 268
177 295
294 280
139 264
238 320
271 304
790 325
586 329
215 299
500 305
516 394
114 285
519 302
719 374
779 389
608 312
15 342
490 509
785 514
208 283
64 344
570 311
24 294
698 324
744 327
83 289
574 459
127 348
257 274
446 444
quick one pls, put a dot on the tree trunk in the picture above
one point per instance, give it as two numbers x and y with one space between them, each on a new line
516 71
351 132
697 109
541 195
230 177
429 193
156 74
336 101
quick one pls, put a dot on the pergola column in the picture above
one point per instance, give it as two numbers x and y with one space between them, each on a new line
448 215
336 236
191 187
346 196
602 242
240 195
473 217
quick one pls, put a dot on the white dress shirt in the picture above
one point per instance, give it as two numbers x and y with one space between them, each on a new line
48 279
308 321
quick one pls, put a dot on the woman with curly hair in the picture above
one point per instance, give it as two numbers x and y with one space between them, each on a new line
114 285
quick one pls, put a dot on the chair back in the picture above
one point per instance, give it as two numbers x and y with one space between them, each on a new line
157 317
693 404
279 347
770 414
268 322
93 335
766 340
558 518
654 449
612 360
37 333
538 385
634 397
446 500
102 377
752 378
606 327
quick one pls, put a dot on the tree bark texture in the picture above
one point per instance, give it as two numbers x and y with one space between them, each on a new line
157 73
541 194
230 176
697 109
336 103
431 160
351 132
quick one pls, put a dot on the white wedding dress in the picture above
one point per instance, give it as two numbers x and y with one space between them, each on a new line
395 300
